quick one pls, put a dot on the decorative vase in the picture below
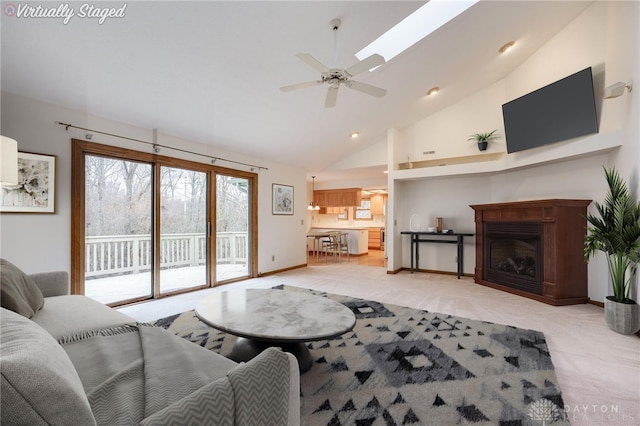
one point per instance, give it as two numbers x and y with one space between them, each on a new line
482 145
621 317
438 224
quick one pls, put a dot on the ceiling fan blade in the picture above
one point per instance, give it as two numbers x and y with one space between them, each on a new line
300 86
366 88
366 64
317 65
332 97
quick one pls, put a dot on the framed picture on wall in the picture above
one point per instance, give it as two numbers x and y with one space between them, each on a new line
282 199
35 190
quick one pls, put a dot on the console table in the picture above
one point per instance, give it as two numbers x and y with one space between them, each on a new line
417 237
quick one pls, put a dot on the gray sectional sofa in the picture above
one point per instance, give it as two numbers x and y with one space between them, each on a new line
76 361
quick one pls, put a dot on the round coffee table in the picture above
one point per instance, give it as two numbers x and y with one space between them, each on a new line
264 318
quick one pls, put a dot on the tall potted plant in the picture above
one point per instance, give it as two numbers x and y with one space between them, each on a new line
615 230
482 139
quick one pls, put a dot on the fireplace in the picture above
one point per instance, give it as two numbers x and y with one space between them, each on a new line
534 249
513 255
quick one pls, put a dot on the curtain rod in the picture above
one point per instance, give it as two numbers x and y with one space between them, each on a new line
156 146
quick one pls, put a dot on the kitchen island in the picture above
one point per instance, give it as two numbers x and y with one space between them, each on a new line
358 238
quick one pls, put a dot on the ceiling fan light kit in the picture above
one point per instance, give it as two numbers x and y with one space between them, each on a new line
335 77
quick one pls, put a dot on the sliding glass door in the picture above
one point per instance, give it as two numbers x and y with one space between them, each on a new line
183 226
146 226
233 249
118 225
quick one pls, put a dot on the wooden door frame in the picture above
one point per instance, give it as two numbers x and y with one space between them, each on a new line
81 148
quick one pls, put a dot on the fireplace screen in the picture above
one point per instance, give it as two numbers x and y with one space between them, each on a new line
513 255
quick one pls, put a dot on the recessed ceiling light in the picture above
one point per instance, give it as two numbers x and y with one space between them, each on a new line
433 91
506 46
415 27
354 135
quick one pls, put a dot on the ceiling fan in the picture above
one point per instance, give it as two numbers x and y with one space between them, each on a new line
335 77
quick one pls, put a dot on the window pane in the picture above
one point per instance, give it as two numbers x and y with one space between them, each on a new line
183 225
364 210
232 227
118 256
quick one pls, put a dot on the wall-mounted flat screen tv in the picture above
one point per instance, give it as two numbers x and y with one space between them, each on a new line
562 110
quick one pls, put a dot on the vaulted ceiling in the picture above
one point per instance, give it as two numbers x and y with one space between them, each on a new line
210 71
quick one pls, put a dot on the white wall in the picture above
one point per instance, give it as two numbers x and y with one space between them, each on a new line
448 198
372 155
446 132
623 64
42 242
604 37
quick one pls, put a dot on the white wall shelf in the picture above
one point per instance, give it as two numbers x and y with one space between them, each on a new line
597 144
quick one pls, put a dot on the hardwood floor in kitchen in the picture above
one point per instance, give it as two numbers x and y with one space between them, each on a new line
598 369
373 258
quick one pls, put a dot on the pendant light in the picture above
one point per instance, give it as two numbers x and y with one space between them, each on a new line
311 206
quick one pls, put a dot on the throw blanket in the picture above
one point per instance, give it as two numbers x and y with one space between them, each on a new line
144 375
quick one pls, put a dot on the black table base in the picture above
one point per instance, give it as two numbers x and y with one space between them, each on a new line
418 237
246 349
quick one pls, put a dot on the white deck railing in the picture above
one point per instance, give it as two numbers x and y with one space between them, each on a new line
124 254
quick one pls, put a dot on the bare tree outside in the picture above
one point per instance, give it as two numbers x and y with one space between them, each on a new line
110 185
183 195
183 225
232 227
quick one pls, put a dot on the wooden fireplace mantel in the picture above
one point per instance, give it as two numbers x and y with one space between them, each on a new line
563 232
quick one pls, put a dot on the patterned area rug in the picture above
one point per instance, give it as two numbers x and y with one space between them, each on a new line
406 366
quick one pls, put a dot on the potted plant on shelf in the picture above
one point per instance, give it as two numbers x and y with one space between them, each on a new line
482 139
615 231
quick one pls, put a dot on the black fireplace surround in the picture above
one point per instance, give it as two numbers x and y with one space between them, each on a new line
513 255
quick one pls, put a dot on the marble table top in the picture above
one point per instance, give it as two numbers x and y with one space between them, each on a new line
275 315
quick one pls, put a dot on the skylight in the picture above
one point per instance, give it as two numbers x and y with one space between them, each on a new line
415 27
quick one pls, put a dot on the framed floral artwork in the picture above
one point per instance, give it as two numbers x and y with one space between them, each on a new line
35 190
282 199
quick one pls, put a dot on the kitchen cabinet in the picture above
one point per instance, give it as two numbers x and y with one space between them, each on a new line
334 199
375 238
377 204
320 198
349 197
